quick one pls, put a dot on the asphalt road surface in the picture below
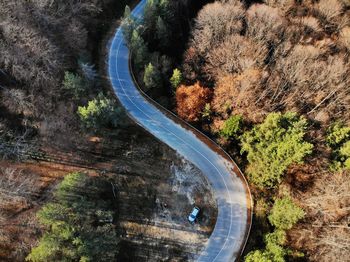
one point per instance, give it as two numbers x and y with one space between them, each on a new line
231 191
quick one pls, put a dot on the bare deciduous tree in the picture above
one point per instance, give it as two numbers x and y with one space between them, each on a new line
215 22
235 55
265 24
326 236
284 5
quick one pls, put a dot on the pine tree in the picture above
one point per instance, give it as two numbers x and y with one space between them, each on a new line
128 24
274 145
162 33
176 78
139 50
151 76
150 15
232 127
285 214
74 84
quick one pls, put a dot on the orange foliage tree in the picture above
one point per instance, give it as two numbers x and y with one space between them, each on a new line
191 100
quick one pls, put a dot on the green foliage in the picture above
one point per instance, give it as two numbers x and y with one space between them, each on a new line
128 24
100 112
139 50
278 237
274 145
274 250
176 78
285 213
75 231
150 14
232 127
74 84
257 256
206 114
338 138
162 33
283 216
344 154
337 134
151 76
164 10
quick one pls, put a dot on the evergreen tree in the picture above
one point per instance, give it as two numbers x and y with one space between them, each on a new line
232 127
164 7
75 231
206 114
176 78
274 145
338 138
150 15
162 33
151 77
139 50
100 112
337 133
285 214
74 84
128 24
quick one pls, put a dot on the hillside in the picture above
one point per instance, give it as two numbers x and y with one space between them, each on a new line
269 81
61 127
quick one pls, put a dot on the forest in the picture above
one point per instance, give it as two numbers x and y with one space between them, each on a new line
269 81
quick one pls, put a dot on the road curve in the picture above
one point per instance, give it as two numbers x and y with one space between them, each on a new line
230 188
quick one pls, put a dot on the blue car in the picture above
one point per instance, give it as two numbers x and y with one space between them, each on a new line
194 214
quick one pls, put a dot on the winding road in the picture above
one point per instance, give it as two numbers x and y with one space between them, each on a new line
230 188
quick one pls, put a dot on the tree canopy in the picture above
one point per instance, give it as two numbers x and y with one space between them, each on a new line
274 145
191 101
100 112
285 213
79 222
232 127
152 77
176 78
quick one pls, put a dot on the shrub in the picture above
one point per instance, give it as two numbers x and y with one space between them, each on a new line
74 84
285 214
232 127
337 133
274 145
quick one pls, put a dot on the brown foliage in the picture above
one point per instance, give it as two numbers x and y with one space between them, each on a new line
191 100
230 95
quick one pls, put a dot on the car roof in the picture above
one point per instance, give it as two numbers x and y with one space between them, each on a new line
195 211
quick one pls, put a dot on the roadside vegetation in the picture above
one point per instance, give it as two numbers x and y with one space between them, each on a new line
58 116
269 80
49 72
79 221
